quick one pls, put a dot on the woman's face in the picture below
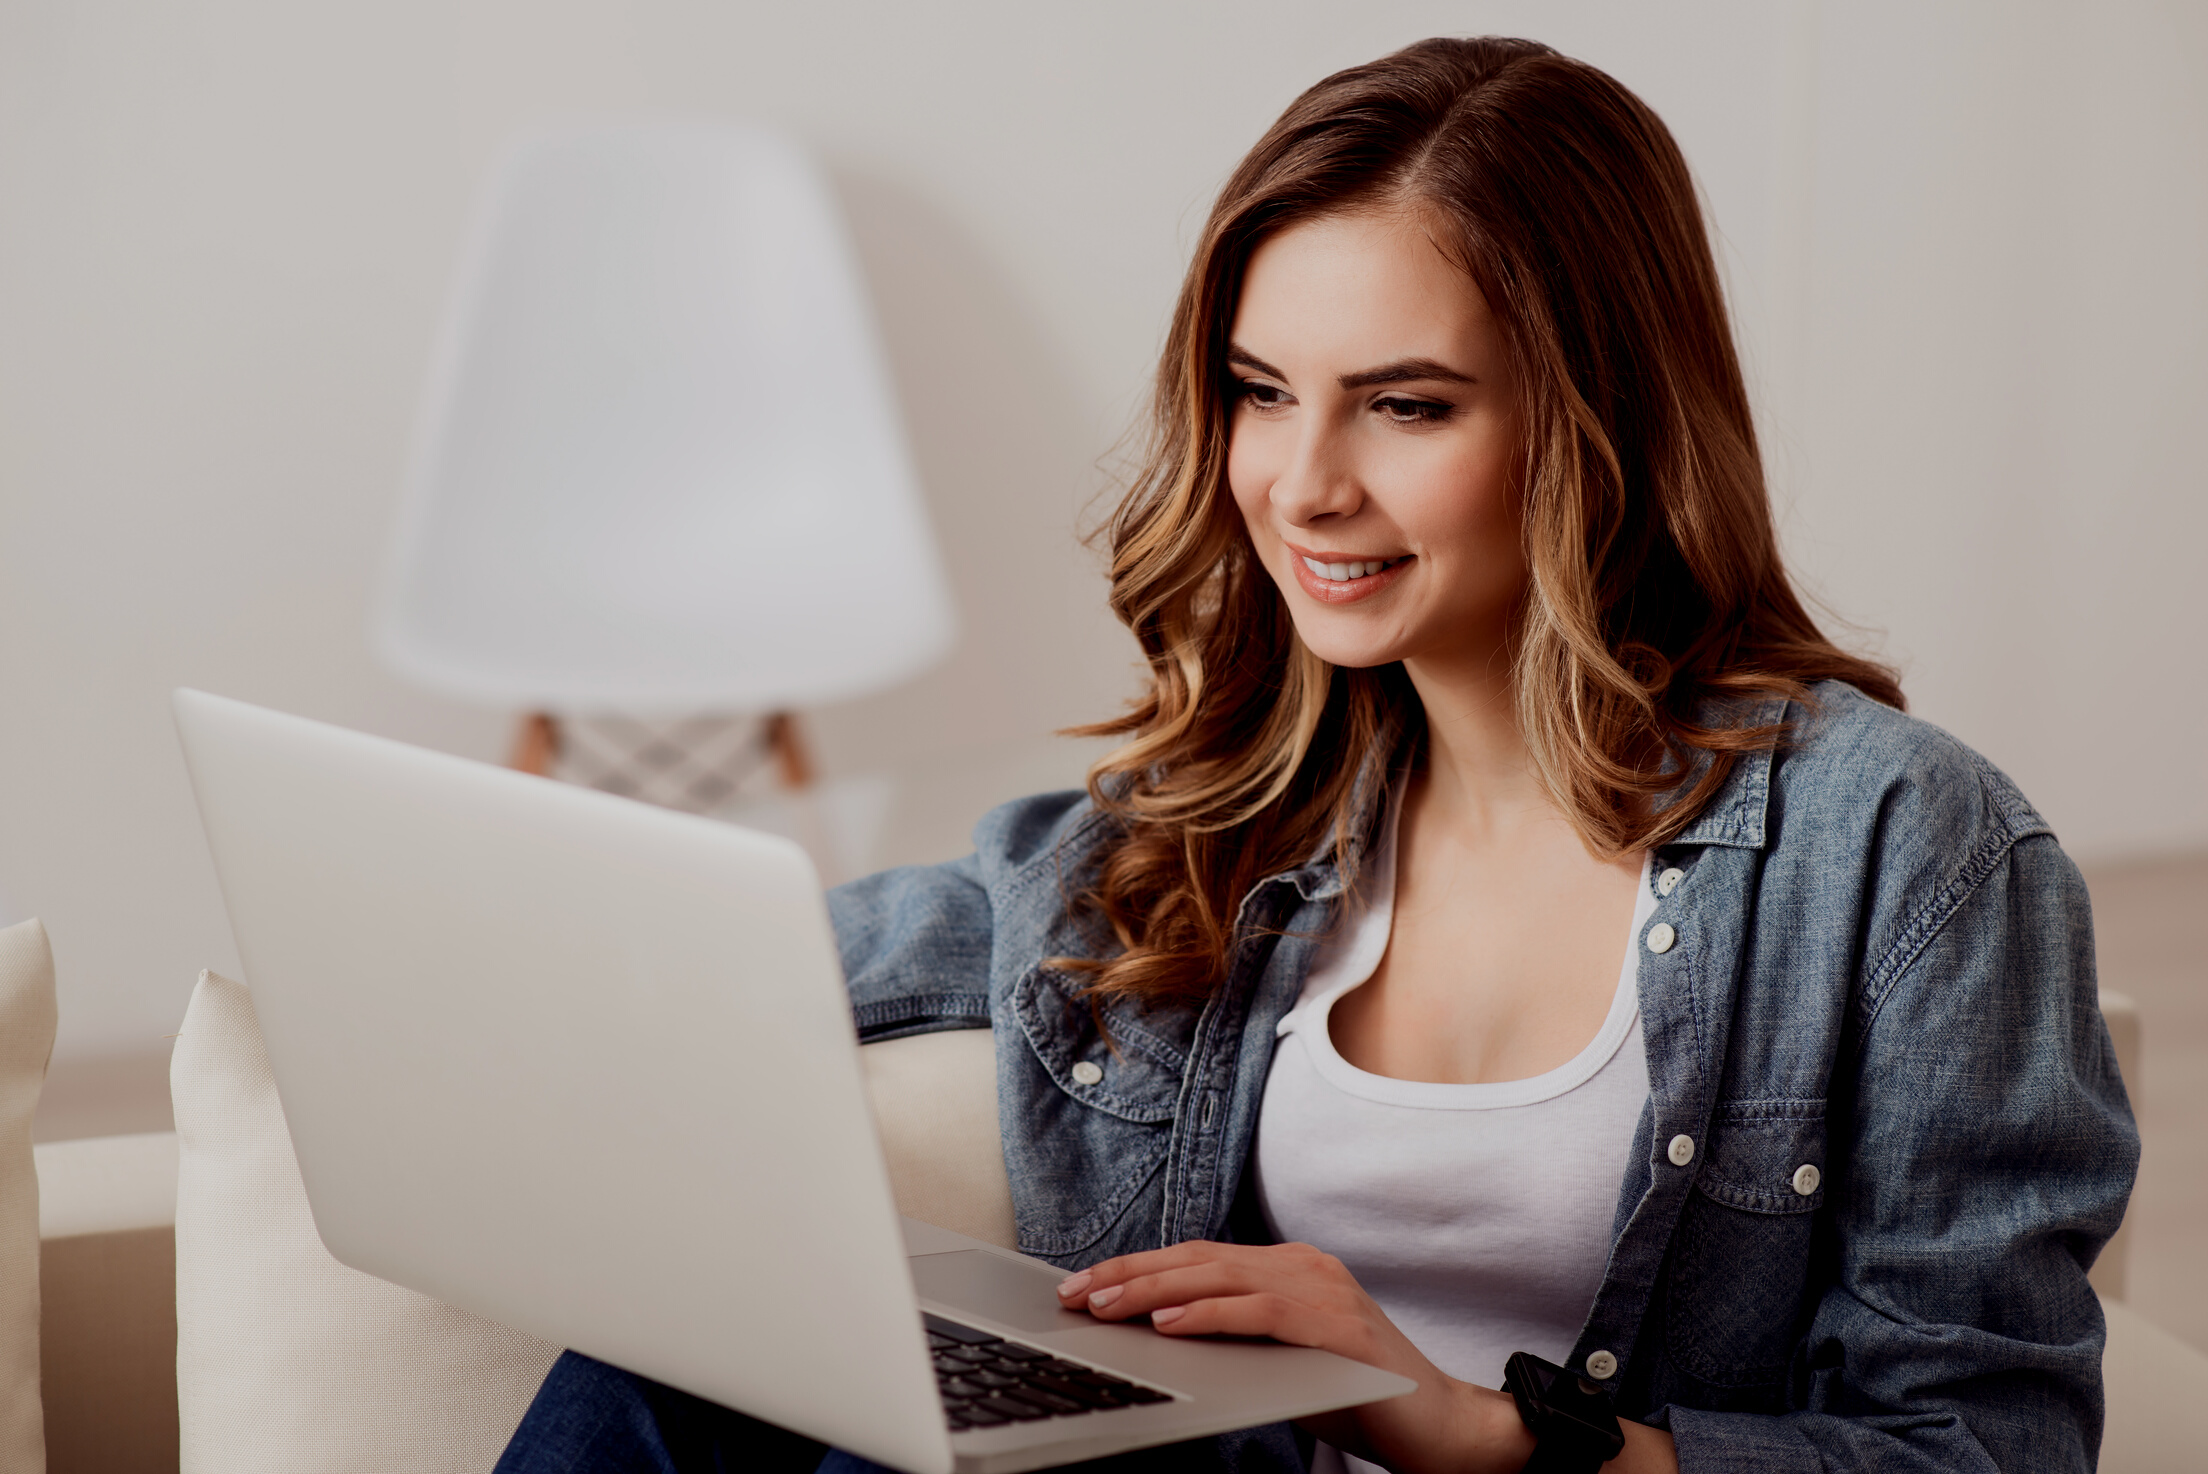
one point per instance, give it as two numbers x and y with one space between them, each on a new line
1375 444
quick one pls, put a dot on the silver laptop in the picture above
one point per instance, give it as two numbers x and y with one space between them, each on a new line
586 1067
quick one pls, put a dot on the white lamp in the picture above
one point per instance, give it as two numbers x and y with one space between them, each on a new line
660 468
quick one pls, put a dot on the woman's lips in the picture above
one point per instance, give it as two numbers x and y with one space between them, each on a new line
1346 590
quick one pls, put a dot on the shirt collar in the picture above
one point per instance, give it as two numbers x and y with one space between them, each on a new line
1734 816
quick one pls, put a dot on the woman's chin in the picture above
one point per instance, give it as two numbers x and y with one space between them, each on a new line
1350 654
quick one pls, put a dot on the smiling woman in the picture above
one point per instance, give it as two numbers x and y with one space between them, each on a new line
1485 265
1512 947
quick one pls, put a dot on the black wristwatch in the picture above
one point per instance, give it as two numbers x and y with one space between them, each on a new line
1574 1428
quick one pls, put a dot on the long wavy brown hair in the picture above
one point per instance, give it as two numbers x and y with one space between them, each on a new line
1655 579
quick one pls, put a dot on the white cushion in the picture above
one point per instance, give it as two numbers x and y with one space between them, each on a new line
26 1039
2151 1378
935 1106
287 1360
106 1184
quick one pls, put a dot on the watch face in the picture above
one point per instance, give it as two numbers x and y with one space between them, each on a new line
1540 1376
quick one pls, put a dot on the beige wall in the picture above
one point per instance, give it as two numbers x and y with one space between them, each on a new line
1966 242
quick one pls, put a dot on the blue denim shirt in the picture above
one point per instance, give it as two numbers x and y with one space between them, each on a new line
1882 969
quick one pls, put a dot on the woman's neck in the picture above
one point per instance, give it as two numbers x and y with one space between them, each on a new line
1478 777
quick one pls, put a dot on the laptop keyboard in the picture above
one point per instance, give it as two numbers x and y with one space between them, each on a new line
987 1381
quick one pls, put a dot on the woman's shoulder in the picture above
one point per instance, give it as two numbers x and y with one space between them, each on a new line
1014 844
1872 810
1888 849
922 943
1850 761
1043 833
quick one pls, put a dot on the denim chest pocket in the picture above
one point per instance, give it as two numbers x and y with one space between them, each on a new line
1111 1057
1741 1252
1100 1124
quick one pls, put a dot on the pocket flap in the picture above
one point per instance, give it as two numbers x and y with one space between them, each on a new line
1757 1154
1129 1067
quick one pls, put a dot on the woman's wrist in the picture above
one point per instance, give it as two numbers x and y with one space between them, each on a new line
1495 1439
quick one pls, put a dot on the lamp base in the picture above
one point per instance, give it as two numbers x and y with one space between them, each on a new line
698 764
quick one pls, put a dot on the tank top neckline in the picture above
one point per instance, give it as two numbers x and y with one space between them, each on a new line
1349 959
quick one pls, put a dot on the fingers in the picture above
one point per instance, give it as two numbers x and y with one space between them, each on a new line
1276 1317
1260 1314
1277 1258
1075 1289
1291 1293
1144 1293
1129 1266
1144 1284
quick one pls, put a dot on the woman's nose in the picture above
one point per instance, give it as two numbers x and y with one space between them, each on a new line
1318 482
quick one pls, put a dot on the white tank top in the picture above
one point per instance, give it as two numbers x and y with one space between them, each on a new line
1478 1216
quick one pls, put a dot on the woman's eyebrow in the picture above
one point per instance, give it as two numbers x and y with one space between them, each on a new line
1404 371
1241 357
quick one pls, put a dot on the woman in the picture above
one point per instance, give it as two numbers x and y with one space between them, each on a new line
1504 886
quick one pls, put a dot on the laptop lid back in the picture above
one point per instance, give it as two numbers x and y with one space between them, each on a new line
576 1064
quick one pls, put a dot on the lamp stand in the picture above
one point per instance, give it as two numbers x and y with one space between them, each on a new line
793 762
792 758
536 744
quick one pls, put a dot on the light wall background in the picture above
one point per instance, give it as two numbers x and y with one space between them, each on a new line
1965 242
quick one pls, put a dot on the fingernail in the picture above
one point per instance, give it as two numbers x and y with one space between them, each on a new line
1073 1284
1105 1296
1167 1316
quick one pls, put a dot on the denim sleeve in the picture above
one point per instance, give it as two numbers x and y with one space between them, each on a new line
1993 1154
916 945
920 943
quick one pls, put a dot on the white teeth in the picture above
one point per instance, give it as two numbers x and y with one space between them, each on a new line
1343 572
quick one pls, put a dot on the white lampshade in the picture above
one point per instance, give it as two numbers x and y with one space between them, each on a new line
660 466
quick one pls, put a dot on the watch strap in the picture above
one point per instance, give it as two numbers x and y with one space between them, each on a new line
1552 1456
1574 1427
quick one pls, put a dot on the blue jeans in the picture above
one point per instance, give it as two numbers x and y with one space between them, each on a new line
595 1417
591 1418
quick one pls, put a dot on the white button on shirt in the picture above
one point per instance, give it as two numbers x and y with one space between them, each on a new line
1682 1150
1088 1073
1660 937
1668 882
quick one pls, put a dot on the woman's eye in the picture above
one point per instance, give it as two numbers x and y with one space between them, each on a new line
1259 396
1414 411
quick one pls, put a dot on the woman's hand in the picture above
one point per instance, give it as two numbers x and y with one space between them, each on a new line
1296 1294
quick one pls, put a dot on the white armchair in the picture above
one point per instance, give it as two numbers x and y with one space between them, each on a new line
110 1337
107 1289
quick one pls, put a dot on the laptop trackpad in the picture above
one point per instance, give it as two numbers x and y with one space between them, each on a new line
1013 1293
